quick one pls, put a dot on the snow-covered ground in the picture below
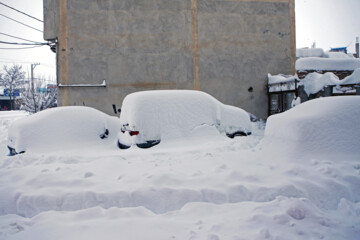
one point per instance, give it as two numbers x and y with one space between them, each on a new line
203 186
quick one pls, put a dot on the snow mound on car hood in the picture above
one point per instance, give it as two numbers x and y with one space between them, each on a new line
326 125
61 128
175 113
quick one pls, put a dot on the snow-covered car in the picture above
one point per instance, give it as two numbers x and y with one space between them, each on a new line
327 125
62 128
149 117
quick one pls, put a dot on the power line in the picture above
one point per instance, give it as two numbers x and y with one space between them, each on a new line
31 44
21 12
21 48
17 37
20 23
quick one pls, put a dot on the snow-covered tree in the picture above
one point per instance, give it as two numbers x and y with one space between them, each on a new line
38 98
12 78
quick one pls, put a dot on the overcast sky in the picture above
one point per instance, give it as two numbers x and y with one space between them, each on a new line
329 23
41 55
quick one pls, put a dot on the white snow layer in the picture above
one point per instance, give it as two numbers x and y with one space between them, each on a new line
320 53
310 52
204 186
280 78
327 64
315 82
339 55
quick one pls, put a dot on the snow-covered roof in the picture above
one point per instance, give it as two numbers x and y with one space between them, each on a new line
339 55
310 52
327 64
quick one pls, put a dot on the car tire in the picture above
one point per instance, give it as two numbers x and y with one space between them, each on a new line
122 146
238 134
12 151
148 144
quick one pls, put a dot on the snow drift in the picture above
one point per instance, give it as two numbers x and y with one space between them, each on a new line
325 125
208 188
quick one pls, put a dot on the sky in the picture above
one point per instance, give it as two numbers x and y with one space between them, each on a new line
26 57
328 23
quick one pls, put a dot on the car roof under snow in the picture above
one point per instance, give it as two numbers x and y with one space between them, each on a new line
177 111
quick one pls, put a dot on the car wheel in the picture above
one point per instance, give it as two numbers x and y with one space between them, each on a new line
238 134
148 144
105 134
12 151
122 146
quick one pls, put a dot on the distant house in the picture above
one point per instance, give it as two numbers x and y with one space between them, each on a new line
5 102
316 60
319 74
340 49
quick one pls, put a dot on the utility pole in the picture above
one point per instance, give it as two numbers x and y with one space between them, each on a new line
32 83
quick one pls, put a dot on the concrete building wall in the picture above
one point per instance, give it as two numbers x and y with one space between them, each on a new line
225 48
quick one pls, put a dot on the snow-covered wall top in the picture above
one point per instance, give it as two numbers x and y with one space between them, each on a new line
310 52
315 82
327 64
281 82
280 78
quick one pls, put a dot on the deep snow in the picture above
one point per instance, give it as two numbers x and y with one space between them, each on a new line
204 186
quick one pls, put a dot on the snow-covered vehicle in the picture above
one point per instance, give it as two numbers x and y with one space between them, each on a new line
329 125
62 128
149 117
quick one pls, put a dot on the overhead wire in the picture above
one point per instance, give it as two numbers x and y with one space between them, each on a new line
31 44
21 48
21 12
20 22
8 35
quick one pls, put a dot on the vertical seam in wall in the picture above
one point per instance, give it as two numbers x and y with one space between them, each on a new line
195 43
293 35
63 51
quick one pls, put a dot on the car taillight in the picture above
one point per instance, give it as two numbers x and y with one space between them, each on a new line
132 133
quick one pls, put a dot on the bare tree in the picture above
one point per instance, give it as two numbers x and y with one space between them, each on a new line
38 97
12 78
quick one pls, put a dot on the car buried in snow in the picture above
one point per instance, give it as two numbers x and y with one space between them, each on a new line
149 117
62 128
